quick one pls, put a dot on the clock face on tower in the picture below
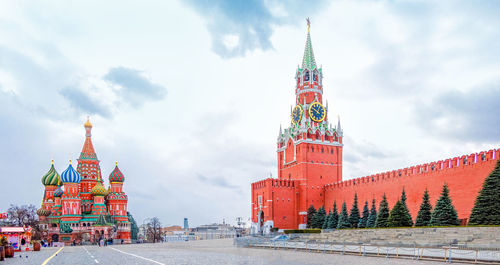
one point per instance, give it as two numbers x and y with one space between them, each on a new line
297 114
317 112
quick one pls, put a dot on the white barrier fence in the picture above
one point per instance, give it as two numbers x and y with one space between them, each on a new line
445 253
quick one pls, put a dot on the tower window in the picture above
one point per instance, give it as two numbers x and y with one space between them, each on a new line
306 76
322 150
331 151
312 149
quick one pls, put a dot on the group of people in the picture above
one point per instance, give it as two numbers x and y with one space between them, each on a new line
102 242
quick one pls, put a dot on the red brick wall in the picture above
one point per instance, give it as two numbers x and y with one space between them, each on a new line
464 181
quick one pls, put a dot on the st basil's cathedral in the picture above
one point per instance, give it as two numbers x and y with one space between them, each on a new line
77 207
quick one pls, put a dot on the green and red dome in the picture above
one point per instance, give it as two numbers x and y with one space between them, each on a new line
116 175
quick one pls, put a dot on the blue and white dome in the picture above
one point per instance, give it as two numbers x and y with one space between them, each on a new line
70 175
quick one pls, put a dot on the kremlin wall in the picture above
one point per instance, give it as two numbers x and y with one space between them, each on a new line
309 156
464 175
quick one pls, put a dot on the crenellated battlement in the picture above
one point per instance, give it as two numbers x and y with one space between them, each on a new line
463 161
283 183
275 183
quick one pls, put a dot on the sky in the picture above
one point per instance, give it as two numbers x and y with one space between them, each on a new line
189 96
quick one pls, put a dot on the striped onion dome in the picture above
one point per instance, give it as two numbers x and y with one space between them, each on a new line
51 178
99 190
70 175
43 212
116 175
58 192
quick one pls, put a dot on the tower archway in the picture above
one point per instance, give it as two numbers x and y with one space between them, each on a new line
261 221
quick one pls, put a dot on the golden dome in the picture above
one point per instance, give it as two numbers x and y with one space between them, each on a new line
87 123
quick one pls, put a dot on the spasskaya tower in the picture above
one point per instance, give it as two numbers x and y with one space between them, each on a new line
309 154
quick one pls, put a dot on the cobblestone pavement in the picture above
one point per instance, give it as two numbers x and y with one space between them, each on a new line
193 252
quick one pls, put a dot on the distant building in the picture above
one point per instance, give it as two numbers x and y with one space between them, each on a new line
186 225
172 230
214 231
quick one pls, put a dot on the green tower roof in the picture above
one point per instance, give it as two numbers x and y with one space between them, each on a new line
308 61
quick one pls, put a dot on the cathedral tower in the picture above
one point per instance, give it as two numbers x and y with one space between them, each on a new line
89 169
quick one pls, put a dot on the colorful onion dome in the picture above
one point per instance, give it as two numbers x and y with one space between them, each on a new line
43 212
87 124
116 175
99 190
58 192
70 175
51 178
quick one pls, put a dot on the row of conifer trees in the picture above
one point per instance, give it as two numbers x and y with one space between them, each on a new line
486 210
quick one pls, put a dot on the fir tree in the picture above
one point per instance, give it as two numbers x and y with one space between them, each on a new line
319 218
332 224
364 218
327 220
424 214
134 229
383 213
399 216
354 216
373 216
444 213
407 211
486 209
311 212
343 218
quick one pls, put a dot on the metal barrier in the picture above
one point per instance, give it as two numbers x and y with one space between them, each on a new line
448 254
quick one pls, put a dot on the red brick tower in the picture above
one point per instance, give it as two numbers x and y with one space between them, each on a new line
117 204
309 154
70 200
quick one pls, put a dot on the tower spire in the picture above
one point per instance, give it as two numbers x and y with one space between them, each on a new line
88 151
308 60
339 128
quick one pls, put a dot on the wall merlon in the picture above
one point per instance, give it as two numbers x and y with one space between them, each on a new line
283 183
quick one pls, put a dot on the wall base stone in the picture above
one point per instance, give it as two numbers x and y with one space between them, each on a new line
479 237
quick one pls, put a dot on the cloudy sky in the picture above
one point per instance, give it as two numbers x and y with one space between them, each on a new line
188 96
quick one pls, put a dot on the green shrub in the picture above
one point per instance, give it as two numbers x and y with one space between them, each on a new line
302 231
